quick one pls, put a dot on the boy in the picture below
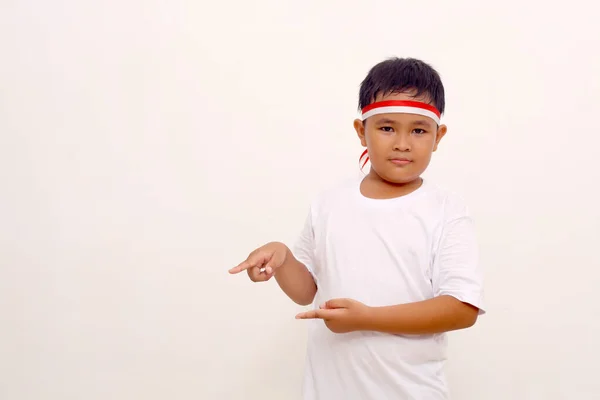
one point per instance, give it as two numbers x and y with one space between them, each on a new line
390 259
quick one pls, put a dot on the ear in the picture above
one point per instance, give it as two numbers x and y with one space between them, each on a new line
359 126
441 132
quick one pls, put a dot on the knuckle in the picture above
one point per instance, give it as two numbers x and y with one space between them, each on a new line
255 251
256 254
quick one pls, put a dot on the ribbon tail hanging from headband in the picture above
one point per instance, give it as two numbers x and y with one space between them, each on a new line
365 156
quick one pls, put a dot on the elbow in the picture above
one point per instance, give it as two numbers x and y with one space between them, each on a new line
470 321
463 322
307 296
466 316
305 300
469 317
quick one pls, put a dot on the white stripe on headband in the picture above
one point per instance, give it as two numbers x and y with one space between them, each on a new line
402 106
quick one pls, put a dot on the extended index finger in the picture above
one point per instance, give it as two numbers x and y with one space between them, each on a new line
308 315
255 260
316 314
241 267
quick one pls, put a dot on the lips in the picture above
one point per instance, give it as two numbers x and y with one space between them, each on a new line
400 161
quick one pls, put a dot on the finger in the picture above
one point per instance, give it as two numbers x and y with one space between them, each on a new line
274 263
336 303
254 260
241 267
268 275
313 314
316 314
268 270
256 275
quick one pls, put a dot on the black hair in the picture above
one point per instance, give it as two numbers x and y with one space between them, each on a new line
396 75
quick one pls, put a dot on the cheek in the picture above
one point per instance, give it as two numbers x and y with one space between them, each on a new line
376 141
426 143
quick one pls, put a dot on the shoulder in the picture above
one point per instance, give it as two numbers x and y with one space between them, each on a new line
334 195
450 204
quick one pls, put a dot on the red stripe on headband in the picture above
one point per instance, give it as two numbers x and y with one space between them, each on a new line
402 103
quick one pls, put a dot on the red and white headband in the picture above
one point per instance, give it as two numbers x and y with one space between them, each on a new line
402 106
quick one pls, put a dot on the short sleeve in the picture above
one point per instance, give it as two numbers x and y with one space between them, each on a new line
304 247
456 268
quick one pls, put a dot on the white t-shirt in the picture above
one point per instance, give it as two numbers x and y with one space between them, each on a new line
385 252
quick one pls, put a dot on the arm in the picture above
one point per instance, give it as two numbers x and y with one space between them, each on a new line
457 284
437 315
276 259
295 277
295 280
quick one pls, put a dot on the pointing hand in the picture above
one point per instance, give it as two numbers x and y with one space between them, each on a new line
262 263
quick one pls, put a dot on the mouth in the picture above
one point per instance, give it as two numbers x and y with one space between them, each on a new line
400 161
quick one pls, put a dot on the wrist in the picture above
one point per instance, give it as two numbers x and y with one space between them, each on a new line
368 319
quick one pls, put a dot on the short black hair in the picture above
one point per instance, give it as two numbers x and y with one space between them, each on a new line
397 75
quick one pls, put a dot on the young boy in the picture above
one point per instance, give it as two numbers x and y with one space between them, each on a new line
390 259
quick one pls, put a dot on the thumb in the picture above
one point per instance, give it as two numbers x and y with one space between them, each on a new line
275 261
337 303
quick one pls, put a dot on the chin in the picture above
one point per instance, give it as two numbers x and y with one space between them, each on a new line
399 175
398 179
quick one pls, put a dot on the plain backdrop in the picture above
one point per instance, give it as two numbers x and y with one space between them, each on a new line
146 147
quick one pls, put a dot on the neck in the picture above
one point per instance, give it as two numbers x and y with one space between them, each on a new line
375 187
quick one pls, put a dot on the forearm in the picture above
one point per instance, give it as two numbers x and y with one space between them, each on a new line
295 280
437 315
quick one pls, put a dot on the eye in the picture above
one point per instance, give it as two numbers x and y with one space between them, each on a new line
419 131
387 129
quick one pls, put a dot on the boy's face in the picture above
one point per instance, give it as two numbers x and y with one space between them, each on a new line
399 145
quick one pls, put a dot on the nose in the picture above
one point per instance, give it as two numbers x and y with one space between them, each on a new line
402 142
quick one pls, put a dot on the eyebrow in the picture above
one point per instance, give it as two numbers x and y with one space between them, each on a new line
420 122
385 121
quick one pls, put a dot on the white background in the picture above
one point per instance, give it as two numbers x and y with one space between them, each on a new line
148 146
